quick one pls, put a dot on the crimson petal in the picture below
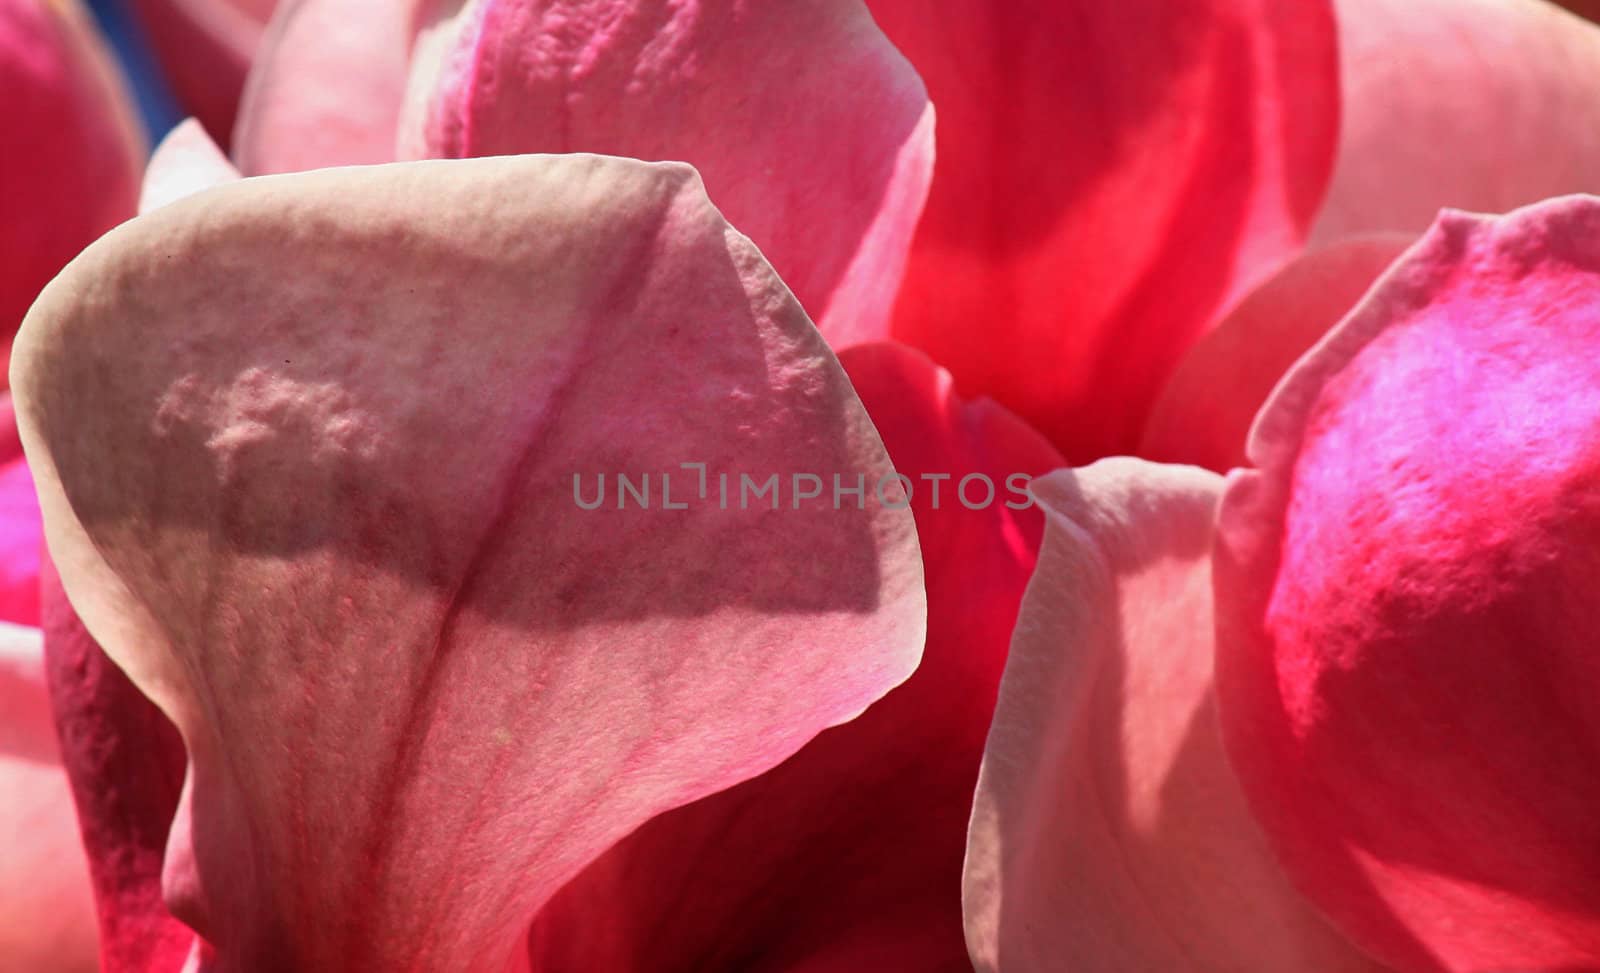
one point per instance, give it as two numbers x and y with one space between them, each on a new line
1110 176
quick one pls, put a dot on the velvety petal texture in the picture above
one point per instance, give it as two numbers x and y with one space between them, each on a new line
847 857
813 134
1204 413
1406 587
186 162
1092 211
125 762
70 152
326 87
1108 832
1481 105
46 912
312 453
205 48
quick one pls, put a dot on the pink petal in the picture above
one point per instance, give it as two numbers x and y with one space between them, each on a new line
1482 105
205 48
46 914
1406 667
1204 413
186 162
1108 833
847 857
814 135
1110 175
125 761
319 504
21 541
327 85
69 165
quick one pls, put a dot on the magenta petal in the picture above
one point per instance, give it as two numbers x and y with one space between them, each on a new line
846 857
1481 105
186 162
1112 173
71 153
21 541
814 135
327 86
46 914
1108 833
1406 588
314 492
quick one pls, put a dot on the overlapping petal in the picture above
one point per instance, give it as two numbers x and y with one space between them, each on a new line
322 511
205 48
813 134
1203 414
1108 832
69 151
1110 176
46 914
1481 105
847 857
1406 666
327 85
186 162
125 762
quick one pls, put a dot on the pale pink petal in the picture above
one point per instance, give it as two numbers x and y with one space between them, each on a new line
46 912
1482 105
1112 174
326 86
186 162
1108 833
814 135
315 494
1204 413
1406 590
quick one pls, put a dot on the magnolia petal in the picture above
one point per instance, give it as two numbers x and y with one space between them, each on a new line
327 86
1405 668
71 153
1108 833
814 135
1092 213
125 761
1203 415
1481 105
848 855
186 162
205 48
322 511
46 913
